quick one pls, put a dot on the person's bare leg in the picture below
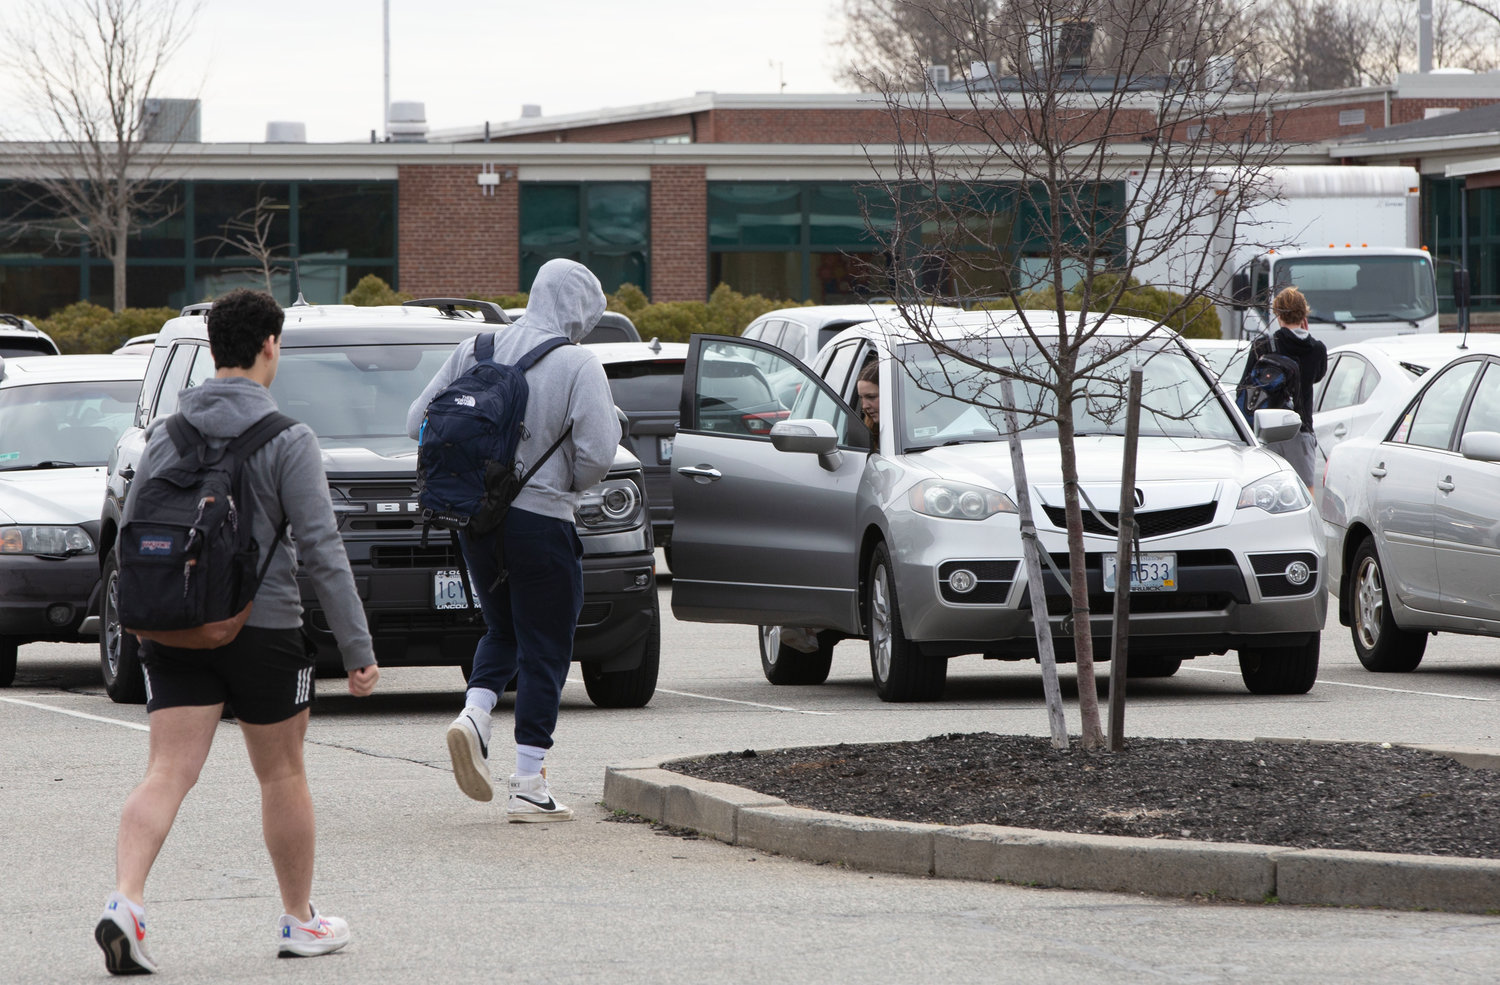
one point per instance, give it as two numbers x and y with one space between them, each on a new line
180 740
286 808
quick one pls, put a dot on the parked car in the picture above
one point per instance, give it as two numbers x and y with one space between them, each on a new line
1410 512
646 380
19 337
913 541
59 418
137 345
613 327
1225 358
350 373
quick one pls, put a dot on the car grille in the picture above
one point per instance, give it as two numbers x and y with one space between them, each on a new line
1152 523
1211 580
413 556
1270 574
995 579
593 613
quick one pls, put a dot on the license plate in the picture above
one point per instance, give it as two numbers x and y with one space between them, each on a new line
1148 573
448 590
664 449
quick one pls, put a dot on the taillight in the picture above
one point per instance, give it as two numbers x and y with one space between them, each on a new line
761 423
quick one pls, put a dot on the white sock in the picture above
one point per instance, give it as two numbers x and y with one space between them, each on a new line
529 760
482 698
136 908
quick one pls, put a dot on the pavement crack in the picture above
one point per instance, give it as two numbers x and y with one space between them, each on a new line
380 755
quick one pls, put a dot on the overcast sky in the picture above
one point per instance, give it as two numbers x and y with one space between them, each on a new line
321 61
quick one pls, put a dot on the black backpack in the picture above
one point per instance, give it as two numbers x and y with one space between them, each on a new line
189 564
466 449
1273 380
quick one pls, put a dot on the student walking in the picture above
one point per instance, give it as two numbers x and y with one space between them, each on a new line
264 673
1293 340
531 608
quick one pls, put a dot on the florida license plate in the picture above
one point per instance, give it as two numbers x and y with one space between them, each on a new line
1148 573
448 590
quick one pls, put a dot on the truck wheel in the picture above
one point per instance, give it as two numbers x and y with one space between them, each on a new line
8 647
1281 669
1150 665
1380 644
119 652
787 665
901 671
628 688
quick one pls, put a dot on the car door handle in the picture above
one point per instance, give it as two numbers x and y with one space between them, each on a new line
705 473
1446 483
1378 471
1340 431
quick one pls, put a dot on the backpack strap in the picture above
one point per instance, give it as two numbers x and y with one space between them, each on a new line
248 443
484 347
539 353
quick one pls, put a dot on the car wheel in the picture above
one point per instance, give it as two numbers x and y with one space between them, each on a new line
627 688
901 671
1150 665
1281 669
1380 644
8 647
119 652
786 665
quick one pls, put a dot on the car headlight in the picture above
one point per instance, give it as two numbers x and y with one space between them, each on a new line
958 500
1279 493
53 541
614 504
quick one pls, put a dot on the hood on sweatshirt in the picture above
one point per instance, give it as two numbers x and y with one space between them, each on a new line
565 299
223 408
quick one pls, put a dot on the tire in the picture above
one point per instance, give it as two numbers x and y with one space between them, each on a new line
1150 665
900 670
1281 669
785 665
1381 645
8 647
119 652
627 688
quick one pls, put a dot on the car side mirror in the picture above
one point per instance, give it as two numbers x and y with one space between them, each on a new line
1239 290
808 436
1481 446
1273 425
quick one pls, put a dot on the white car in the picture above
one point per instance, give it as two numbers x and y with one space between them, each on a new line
1226 357
1411 514
912 540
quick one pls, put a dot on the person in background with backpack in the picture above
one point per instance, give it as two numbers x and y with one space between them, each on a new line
264 673
531 609
1292 340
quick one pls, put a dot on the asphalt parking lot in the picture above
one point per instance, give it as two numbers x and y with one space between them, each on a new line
438 887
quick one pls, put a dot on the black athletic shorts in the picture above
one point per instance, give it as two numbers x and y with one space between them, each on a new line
266 675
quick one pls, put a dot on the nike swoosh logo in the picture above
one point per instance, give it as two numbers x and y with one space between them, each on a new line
484 747
140 928
548 805
321 931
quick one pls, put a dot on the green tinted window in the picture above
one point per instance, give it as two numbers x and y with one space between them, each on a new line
347 219
605 225
754 213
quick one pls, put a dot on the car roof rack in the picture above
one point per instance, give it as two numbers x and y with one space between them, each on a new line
491 311
200 308
18 322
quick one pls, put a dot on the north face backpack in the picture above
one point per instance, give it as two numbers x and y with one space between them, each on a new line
189 565
466 449
1273 381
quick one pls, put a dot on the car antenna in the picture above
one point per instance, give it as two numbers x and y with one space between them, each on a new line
655 344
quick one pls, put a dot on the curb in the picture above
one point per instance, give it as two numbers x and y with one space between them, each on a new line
1108 863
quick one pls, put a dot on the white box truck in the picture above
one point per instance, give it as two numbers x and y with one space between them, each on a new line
1347 237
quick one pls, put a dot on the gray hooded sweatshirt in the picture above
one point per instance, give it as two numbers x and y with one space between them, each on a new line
288 482
567 387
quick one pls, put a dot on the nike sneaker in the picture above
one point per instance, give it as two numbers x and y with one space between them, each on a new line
320 935
469 748
122 937
531 800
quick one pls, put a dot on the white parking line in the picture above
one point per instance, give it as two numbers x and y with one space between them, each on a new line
79 714
1364 687
732 701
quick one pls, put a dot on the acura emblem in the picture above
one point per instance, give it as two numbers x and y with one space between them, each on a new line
1140 499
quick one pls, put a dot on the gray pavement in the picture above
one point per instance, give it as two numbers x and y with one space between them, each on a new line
440 889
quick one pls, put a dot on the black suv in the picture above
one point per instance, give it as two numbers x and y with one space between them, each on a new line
350 373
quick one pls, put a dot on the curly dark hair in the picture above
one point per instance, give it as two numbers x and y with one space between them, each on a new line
239 324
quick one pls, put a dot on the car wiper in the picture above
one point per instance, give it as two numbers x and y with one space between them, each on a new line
1327 321
49 464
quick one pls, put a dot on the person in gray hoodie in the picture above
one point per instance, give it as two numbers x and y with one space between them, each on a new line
530 617
265 674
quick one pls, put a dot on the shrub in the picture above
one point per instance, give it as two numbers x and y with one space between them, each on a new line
371 290
86 327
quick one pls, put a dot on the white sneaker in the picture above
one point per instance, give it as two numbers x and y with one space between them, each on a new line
320 935
121 935
531 800
469 748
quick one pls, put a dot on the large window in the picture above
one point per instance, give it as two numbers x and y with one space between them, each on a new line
1453 217
605 225
316 237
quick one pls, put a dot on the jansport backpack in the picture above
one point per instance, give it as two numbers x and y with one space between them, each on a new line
189 563
1272 382
466 451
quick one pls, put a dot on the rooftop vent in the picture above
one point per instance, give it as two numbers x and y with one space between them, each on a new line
407 123
286 132
529 110
171 121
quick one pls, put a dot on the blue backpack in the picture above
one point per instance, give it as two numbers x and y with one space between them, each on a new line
466 449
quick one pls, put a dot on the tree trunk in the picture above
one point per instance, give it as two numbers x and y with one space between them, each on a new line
118 255
1092 729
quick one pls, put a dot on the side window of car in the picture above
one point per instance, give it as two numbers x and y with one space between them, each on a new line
202 368
1368 383
175 378
1484 409
733 395
1343 386
836 375
794 340
1430 422
154 367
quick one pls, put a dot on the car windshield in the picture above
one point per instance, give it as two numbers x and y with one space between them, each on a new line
56 425
1355 289
945 398
1225 361
646 386
356 396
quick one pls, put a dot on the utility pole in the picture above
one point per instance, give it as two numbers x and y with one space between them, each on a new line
385 106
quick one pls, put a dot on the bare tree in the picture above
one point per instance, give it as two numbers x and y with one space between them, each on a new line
249 233
1015 188
894 41
86 68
